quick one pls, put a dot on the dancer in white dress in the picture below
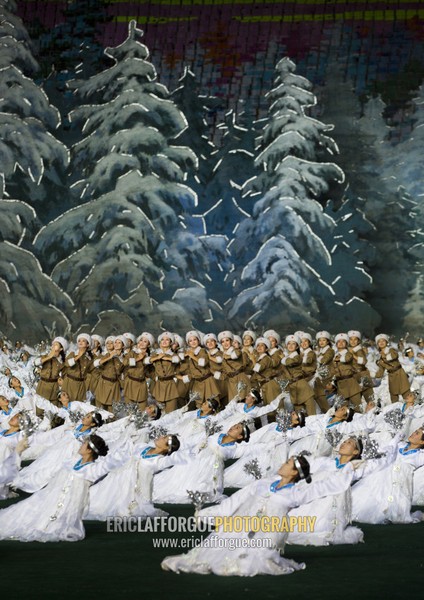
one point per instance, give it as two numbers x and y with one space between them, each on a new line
61 444
205 471
127 491
387 496
266 498
55 513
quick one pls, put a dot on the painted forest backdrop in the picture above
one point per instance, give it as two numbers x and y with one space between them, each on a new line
235 164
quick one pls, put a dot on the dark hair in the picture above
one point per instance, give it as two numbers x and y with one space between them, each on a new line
257 396
304 472
213 404
350 415
245 431
360 446
97 419
174 445
158 413
302 418
97 445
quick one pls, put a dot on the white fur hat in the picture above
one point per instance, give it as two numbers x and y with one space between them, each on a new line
122 338
62 342
353 333
166 334
225 334
179 340
251 333
110 338
292 338
84 336
98 338
193 333
263 340
341 336
271 333
129 336
148 336
209 336
381 336
323 334
306 336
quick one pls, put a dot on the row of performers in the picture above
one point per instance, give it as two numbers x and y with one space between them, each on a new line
122 470
212 366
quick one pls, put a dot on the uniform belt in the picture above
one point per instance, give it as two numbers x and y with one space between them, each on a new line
140 379
48 380
75 378
203 378
166 378
395 369
235 373
112 379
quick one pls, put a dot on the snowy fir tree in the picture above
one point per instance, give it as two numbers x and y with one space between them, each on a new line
71 50
231 163
31 164
32 307
349 242
196 108
392 212
32 160
280 246
128 248
406 163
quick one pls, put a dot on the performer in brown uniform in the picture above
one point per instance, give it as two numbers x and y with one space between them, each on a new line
325 355
309 358
136 372
197 369
275 352
51 365
111 367
76 368
344 372
360 363
249 339
233 367
210 342
389 361
263 371
92 374
301 393
165 364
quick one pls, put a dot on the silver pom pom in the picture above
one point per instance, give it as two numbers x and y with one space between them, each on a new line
139 417
156 431
193 397
333 437
395 418
119 408
198 498
252 468
212 427
27 422
75 416
370 448
283 383
240 387
283 420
